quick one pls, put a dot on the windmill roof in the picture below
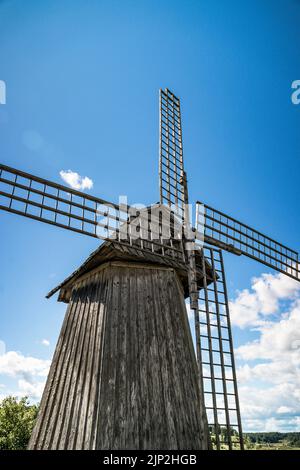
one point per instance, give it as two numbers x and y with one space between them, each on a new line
117 251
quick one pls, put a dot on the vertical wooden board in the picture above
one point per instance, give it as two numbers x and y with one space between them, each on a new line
89 351
45 428
94 372
72 377
91 441
123 361
82 384
108 370
133 389
156 400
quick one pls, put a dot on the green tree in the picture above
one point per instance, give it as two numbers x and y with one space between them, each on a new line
17 418
248 443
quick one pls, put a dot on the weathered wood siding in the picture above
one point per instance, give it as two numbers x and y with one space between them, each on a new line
124 372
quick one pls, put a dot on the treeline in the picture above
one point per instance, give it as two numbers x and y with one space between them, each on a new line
290 438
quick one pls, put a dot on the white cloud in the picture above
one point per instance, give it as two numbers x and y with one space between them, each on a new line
262 406
76 181
30 373
32 390
45 342
269 370
269 366
254 307
14 363
284 410
279 340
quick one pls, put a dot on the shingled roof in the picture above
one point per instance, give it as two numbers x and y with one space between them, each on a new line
118 251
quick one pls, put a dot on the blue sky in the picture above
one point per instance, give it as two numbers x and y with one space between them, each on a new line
82 84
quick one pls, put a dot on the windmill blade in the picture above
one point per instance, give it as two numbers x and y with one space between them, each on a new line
216 228
39 199
171 168
215 355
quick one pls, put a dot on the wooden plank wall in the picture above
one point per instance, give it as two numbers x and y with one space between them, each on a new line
124 372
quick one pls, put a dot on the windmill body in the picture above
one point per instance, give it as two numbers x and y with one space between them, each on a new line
124 373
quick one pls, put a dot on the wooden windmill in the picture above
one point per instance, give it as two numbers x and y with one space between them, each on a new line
124 374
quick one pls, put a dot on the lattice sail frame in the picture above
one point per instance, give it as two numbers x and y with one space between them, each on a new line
219 229
34 197
215 355
212 321
40 199
171 167
174 193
